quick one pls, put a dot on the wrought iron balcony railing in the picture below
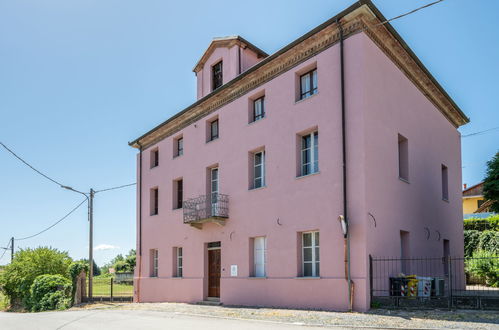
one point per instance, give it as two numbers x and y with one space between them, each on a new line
207 208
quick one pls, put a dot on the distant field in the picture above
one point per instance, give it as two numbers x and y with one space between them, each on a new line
102 287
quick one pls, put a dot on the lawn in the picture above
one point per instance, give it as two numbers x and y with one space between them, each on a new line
102 287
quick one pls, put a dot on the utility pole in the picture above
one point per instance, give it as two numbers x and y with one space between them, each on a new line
11 249
91 242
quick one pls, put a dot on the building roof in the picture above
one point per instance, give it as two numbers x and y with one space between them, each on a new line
474 191
362 16
226 42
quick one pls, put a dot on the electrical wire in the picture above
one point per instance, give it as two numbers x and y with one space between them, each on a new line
30 166
480 132
409 12
5 249
51 226
118 187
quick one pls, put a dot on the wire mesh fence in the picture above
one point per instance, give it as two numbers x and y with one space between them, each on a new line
435 282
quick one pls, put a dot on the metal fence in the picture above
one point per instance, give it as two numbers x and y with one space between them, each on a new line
206 206
109 289
433 282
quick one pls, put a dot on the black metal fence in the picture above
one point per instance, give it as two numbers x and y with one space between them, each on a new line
206 206
111 289
434 282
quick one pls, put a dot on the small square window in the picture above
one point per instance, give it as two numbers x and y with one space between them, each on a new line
217 75
212 130
308 84
154 157
309 153
178 146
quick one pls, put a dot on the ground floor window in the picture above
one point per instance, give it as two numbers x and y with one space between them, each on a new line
310 254
154 262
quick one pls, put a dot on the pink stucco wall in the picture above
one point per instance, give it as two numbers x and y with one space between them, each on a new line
381 102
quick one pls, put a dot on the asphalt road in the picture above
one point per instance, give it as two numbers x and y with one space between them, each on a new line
130 319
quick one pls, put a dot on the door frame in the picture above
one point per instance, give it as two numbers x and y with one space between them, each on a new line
207 270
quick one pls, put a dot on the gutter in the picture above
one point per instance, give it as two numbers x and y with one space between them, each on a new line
140 222
348 275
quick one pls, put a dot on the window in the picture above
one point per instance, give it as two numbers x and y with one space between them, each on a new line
445 183
213 130
154 157
217 75
178 193
310 153
154 262
310 254
308 84
260 256
154 195
178 259
403 154
258 170
404 252
258 109
179 146
479 203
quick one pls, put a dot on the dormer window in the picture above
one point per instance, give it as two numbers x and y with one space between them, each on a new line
217 75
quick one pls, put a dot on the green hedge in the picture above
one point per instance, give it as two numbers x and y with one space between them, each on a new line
484 265
490 223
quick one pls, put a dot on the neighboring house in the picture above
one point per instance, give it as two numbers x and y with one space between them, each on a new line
474 204
240 193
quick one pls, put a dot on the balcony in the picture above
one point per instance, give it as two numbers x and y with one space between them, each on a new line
207 208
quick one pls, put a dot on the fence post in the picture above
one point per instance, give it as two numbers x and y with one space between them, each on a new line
449 264
112 280
371 277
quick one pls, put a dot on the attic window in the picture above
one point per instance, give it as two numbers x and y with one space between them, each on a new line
217 75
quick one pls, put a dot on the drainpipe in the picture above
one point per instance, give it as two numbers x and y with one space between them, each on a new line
140 222
348 275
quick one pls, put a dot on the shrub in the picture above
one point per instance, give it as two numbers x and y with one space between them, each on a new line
484 265
490 223
489 241
18 276
49 292
74 270
471 240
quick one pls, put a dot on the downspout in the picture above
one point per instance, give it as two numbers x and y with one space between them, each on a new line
140 221
346 237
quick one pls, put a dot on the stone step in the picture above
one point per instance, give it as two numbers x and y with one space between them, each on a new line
209 303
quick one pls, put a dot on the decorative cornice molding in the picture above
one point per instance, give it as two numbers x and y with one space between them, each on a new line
360 20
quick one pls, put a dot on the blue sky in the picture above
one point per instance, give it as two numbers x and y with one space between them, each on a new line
79 79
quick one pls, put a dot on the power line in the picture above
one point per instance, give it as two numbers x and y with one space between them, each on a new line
30 166
479 132
5 249
410 12
118 187
58 221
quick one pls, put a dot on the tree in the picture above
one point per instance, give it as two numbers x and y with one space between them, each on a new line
18 276
96 269
491 183
130 260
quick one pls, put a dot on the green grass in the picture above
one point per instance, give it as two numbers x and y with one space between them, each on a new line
102 287
3 303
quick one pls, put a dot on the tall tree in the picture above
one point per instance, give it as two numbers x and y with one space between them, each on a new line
491 183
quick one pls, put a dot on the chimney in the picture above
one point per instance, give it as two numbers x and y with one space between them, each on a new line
465 186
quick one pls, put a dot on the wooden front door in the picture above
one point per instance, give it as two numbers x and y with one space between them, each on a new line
214 273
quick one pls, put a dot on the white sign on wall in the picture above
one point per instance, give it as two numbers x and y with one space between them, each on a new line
233 270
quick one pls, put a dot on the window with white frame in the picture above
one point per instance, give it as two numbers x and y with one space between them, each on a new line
260 256
154 263
179 254
310 153
308 84
259 108
259 169
310 254
213 130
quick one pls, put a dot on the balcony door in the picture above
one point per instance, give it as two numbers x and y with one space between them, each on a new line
214 180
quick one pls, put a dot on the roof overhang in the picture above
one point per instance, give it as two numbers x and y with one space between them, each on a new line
228 42
362 16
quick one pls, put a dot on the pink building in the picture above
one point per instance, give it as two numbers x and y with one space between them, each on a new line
240 193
